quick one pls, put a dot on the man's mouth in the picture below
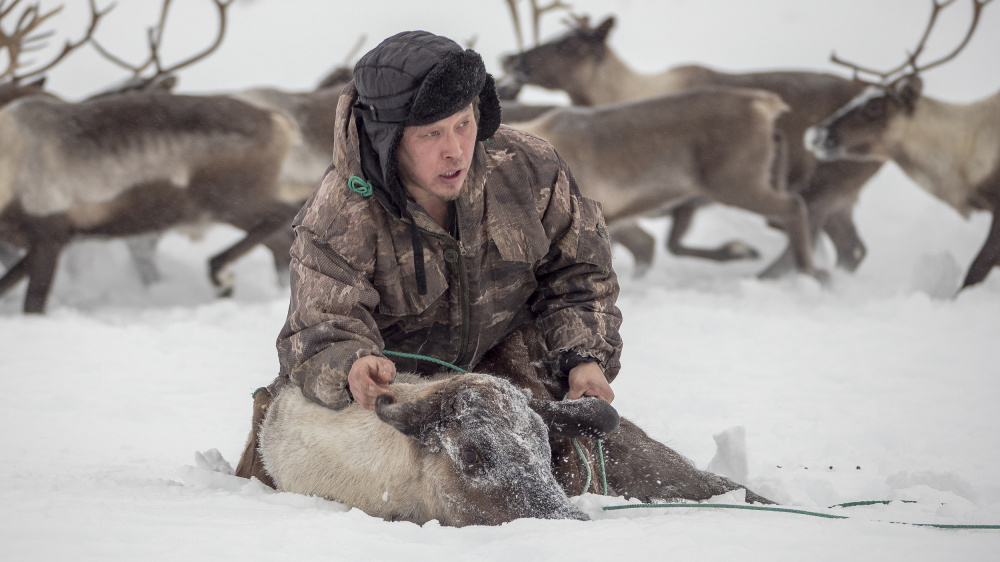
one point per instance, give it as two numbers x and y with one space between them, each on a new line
451 175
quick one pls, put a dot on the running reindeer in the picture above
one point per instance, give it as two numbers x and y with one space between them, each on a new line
581 63
131 164
712 145
950 150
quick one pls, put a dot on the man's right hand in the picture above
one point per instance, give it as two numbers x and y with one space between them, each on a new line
369 377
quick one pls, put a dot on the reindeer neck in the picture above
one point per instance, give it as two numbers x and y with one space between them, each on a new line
613 81
950 149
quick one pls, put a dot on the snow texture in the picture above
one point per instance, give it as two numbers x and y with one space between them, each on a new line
882 387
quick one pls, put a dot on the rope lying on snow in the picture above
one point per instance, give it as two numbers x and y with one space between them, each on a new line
790 510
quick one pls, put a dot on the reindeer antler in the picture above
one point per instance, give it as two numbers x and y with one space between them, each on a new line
890 76
537 11
155 40
24 38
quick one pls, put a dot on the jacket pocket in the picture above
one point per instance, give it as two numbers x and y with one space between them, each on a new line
519 245
396 282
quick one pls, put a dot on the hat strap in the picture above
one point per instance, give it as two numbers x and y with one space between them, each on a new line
397 115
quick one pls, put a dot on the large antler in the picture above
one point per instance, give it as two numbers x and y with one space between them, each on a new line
910 66
25 38
155 40
537 11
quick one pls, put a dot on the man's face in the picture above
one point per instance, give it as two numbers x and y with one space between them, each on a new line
434 159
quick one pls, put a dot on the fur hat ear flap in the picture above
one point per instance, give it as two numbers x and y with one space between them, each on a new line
489 110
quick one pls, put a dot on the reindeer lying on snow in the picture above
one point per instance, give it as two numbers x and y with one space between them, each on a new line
652 155
467 450
581 63
952 151
471 449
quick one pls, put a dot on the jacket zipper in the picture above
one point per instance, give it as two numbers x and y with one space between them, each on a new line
463 291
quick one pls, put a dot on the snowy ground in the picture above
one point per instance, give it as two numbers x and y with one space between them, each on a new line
879 388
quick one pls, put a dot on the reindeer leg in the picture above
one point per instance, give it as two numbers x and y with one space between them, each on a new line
9 255
682 217
796 222
789 210
850 248
41 262
640 467
256 234
830 196
641 245
14 275
988 257
143 251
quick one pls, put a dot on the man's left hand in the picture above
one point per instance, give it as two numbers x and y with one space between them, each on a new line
587 379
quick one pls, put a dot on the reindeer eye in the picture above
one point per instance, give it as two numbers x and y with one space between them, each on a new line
875 108
470 456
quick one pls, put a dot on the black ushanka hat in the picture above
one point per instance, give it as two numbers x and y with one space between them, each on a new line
414 78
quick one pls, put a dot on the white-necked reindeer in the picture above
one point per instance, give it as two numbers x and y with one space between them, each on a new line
581 63
130 164
950 150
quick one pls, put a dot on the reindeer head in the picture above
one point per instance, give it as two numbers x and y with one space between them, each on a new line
486 444
870 125
567 59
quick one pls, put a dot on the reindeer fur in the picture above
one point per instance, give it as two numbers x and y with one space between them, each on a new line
581 63
136 163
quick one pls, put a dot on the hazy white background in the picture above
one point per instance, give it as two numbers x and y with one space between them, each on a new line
882 387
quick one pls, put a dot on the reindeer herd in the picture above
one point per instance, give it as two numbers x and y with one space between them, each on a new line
794 147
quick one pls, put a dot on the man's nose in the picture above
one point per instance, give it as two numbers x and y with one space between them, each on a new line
452 146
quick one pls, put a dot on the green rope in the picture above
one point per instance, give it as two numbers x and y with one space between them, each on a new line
583 457
424 358
586 464
604 472
722 506
795 511
359 185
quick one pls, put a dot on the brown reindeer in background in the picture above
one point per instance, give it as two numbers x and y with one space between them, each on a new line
581 63
313 113
712 145
950 150
131 164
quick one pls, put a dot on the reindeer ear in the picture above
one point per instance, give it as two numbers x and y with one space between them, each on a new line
601 31
587 417
908 90
409 418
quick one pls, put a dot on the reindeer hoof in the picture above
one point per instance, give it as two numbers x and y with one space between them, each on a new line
224 280
738 250
823 276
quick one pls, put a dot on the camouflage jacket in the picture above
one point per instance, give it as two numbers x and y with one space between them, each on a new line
530 248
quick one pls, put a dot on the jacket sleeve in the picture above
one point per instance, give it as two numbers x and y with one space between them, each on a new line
575 300
329 323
